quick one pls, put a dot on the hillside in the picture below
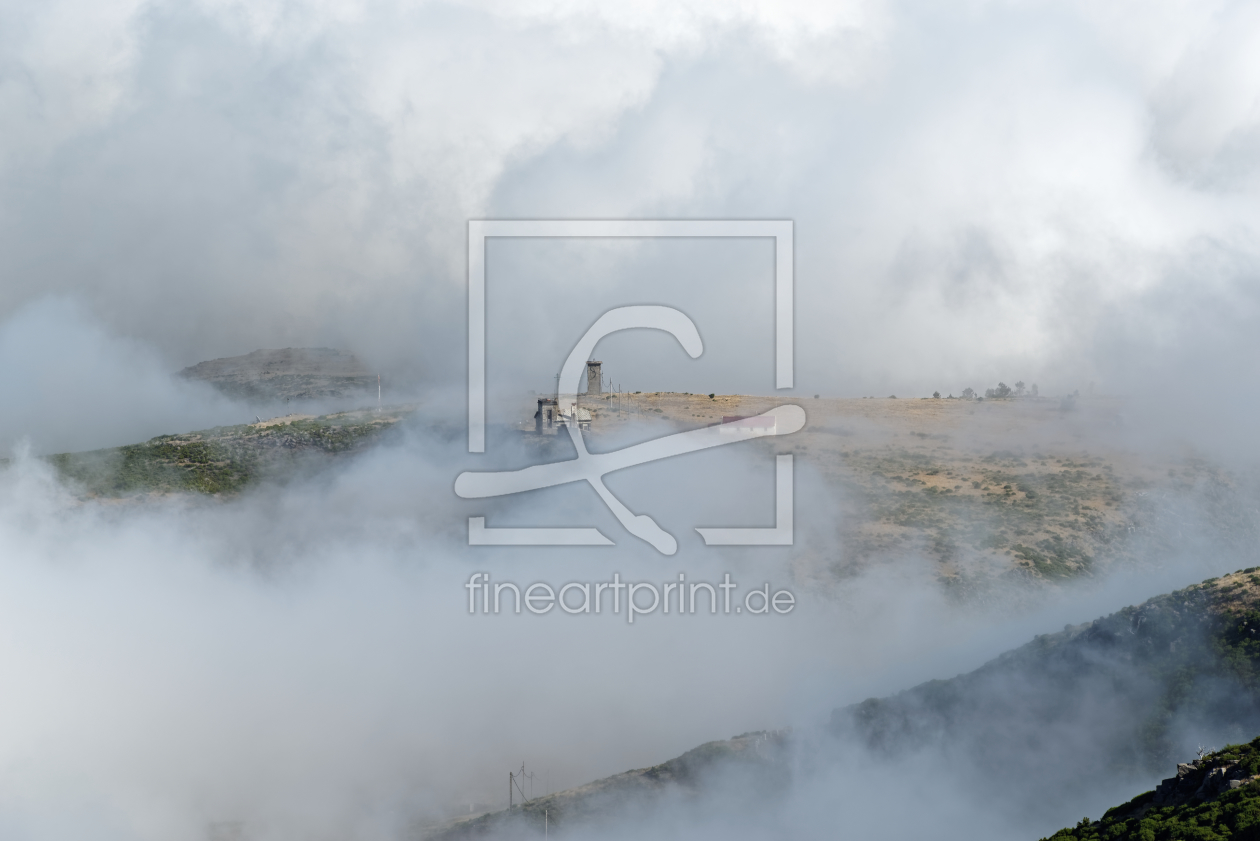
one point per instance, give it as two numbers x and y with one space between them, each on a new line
994 493
760 758
224 459
991 490
288 374
1216 796
1121 694
1104 702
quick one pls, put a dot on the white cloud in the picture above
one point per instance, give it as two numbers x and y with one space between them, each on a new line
318 162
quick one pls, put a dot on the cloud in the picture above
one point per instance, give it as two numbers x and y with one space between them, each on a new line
68 384
975 189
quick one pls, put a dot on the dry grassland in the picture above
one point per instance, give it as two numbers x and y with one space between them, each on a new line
1019 487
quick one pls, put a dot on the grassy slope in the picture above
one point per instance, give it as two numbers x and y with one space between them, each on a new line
1231 815
988 490
220 460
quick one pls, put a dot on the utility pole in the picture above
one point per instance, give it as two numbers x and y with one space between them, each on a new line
514 781
378 394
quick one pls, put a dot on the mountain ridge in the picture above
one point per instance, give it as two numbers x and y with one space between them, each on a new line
1210 623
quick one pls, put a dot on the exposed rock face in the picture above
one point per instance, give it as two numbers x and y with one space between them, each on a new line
287 374
1199 780
1195 782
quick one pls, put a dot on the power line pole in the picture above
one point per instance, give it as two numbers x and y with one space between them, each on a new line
515 780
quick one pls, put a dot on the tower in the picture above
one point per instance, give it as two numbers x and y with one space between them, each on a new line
594 380
546 415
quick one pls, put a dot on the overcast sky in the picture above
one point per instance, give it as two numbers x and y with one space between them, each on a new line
1055 192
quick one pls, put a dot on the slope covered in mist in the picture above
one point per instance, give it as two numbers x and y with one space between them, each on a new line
1118 698
1102 706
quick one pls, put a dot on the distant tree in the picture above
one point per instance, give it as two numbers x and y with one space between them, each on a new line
968 393
937 395
1034 389
1002 390
1019 389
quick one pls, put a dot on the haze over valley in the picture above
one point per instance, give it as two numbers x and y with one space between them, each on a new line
933 513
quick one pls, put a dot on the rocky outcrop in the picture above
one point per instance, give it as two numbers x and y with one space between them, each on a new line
1200 780
1196 782
287 374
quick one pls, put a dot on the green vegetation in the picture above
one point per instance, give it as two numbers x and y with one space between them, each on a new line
1054 557
1232 815
1002 390
158 466
989 515
1052 520
220 460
